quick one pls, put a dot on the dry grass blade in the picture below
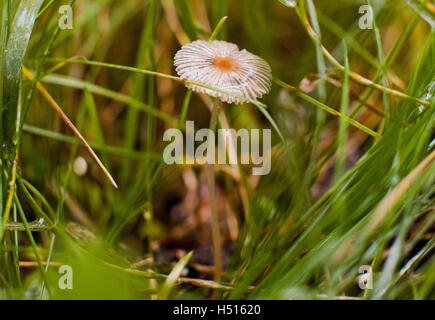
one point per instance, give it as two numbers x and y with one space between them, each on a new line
65 118
32 264
390 200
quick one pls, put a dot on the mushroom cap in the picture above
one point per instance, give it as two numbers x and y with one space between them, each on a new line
221 65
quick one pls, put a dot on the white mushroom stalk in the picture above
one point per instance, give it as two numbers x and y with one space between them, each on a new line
221 65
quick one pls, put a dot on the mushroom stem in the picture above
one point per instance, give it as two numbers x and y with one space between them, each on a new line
216 237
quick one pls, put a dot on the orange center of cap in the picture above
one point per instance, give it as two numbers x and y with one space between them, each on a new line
225 64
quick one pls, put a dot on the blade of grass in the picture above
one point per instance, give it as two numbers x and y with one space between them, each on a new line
218 29
289 3
184 109
340 164
13 173
132 69
10 197
220 9
47 6
185 11
388 61
35 206
32 241
321 66
174 276
32 226
424 12
328 109
395 195
353 75
93 115
47 263
80 84
54 104
3 42
27 185
16 252
194 282
39 72
16 48
112 150
154 73
383 74
336 29
146 46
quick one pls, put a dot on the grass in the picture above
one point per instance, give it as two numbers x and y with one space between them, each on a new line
352 179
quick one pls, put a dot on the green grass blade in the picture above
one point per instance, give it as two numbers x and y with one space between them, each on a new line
32 241
173 277
108 149
385 98
321 65
220 10
329 109
183 7
146 46
80 84
3 42
340 163
93 117
217 29
16 48
422 10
